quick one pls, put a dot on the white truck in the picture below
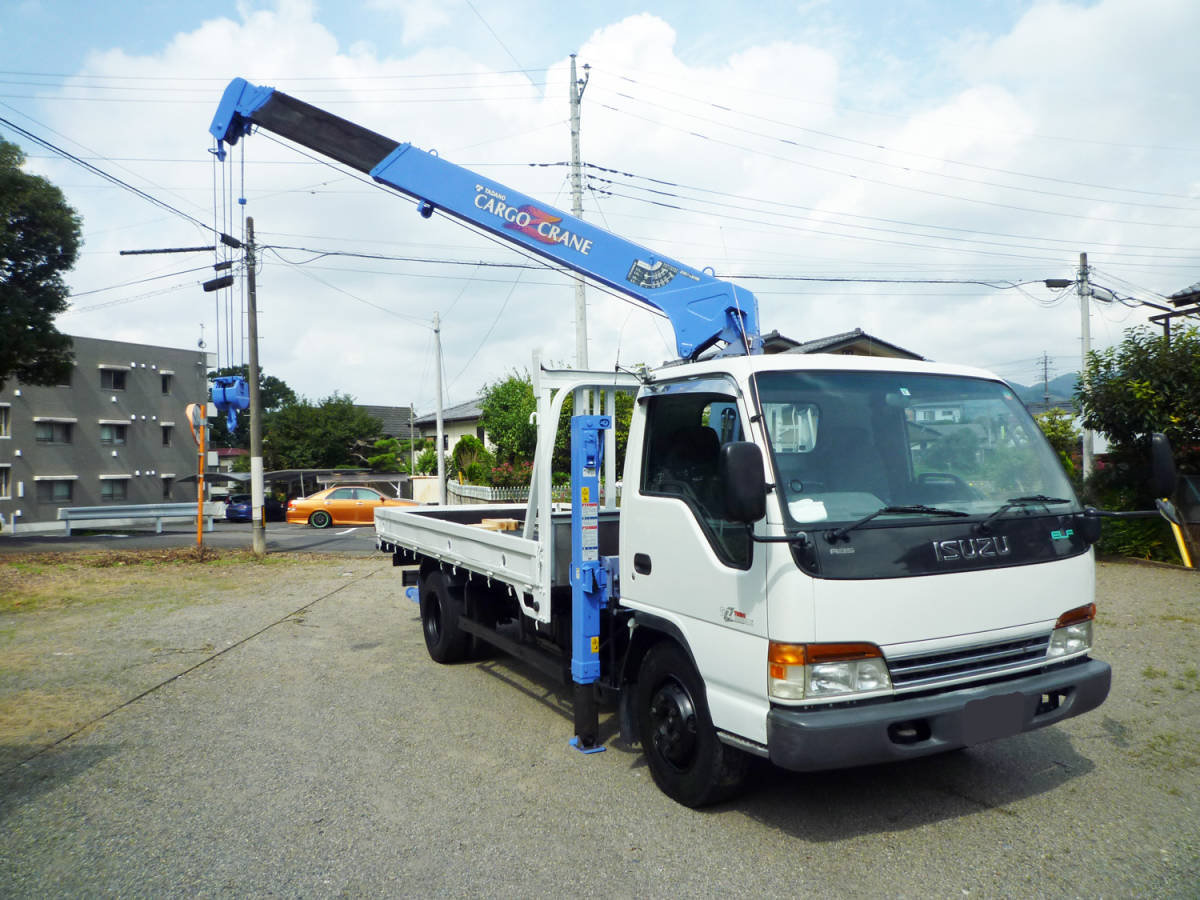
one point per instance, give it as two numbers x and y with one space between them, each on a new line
824 561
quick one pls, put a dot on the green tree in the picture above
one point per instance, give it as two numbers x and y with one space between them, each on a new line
427 462
273 393
505 411
326 435
39 241
1058 425
562 440
472 460
395 455
1143 385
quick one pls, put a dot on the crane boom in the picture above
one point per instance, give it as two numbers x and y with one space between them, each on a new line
703 309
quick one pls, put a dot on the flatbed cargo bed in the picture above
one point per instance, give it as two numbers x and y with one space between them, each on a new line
456 536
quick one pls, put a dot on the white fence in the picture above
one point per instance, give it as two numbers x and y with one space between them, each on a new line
482 493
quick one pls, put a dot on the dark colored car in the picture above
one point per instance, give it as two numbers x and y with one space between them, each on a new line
237 508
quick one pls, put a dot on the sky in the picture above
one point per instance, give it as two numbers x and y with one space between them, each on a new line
915 169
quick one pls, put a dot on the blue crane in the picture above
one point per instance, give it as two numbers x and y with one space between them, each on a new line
704 310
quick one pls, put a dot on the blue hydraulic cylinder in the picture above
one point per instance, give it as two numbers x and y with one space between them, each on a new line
589 579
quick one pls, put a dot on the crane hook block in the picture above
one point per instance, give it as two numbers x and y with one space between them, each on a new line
229 394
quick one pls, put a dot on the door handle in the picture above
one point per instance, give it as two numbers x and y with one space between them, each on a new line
641 563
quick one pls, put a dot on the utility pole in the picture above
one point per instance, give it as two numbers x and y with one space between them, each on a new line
258 529
576 92
1085 327
441 438
1046 379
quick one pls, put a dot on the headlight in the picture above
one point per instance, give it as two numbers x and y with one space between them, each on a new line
820 671
1072 632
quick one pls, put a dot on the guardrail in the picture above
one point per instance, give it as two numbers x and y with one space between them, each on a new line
113 515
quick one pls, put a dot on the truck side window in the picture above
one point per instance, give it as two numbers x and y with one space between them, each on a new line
684 435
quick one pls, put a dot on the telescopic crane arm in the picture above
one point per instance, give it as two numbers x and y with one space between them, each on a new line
704 310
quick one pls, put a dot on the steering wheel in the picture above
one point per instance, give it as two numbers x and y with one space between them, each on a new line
944 479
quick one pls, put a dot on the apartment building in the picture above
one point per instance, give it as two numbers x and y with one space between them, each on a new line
114 432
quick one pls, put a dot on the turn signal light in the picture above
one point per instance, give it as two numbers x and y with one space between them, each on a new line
1076 615
812 671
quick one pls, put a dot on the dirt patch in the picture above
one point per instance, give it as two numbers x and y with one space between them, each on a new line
83 633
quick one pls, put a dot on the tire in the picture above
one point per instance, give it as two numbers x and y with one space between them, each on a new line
687 761
320 519
441 605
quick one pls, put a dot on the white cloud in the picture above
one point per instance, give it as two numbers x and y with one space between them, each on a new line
421 17
765 161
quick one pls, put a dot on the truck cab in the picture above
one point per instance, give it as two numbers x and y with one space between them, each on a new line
918 580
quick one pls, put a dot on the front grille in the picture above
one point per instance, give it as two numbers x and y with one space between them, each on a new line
909 672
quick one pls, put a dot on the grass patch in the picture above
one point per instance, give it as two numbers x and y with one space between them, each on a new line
61 580
1169 752
1151 672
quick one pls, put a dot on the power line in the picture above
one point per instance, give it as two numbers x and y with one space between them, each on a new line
724 85
796 206
871 228
874 145
150 198
883 183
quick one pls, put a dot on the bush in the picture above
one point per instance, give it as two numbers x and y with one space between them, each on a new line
512 474
1115 487
472 460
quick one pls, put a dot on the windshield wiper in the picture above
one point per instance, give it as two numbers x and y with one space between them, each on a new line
1011 502
841 533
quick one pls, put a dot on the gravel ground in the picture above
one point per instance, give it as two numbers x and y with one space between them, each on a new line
279 730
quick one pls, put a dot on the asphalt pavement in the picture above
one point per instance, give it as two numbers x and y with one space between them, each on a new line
281 538
314 750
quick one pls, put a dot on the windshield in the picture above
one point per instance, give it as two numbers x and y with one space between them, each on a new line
845 445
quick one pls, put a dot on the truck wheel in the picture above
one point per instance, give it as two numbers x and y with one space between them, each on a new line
689 764
440 608
320 519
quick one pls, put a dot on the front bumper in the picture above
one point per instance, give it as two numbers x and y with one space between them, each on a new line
806 740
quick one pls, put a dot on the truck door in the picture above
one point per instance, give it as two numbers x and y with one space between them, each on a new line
681 559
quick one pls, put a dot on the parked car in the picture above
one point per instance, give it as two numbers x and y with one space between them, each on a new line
340 506
238 509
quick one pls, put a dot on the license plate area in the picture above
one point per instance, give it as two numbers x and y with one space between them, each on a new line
993 717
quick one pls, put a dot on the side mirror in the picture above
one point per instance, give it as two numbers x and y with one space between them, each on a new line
1090 524
1162 477
741 472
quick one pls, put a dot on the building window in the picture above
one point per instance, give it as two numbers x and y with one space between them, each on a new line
114 489
4 419
52 432
55 491
168 434
167 484
65 381
113 434
5 483
167 378
112 379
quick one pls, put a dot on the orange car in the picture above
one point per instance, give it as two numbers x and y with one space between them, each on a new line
339 506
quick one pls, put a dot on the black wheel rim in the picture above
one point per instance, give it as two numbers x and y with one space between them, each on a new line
673 725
